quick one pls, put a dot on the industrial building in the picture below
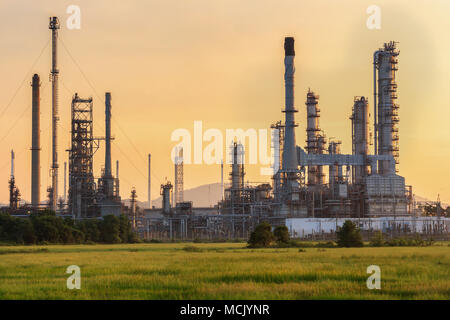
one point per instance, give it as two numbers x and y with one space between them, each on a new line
313 188
361 186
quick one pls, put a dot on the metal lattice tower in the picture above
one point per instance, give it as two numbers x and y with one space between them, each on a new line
386 125
179 188
54 26
81 177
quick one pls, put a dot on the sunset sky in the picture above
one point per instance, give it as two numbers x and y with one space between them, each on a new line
168 63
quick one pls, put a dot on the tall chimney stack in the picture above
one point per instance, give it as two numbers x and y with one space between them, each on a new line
35 143
108 135
290 162
108 179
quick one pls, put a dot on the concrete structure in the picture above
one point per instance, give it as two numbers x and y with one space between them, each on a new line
289 168
300 228
35 143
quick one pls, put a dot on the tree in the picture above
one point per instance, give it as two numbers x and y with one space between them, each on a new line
48 228
110 229
262 236
281 234
349 235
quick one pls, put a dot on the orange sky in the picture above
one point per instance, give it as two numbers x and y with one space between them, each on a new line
169 63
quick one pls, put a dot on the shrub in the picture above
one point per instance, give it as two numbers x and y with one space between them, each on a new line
261 237
377 239
192 249
328 244
281 234
349 235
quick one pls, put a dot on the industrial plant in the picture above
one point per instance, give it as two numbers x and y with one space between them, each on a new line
313 190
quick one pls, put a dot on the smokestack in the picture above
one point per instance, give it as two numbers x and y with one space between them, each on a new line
149 195
35 143
108 173
290 162
54 26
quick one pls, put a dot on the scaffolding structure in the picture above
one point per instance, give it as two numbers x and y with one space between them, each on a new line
82 187
179 188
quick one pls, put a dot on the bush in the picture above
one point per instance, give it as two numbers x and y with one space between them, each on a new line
349 235
261 237
377 239
328 244
192 249
281 234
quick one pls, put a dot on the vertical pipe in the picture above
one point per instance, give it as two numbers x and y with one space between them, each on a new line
65 181
221 179
54 26
12 164
35 143
375 119
149 195
117 179
108 171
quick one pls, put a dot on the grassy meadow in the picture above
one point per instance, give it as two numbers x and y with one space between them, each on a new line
222 271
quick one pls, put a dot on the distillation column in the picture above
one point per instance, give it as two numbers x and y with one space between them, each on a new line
315 142
360 137
386 135
54 26
35 144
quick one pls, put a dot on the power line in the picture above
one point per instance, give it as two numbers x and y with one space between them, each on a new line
115 122
24 79
20 117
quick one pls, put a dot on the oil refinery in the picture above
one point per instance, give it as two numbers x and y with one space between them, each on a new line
313 190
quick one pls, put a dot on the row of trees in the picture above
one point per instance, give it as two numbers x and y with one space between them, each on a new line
46 227
263 236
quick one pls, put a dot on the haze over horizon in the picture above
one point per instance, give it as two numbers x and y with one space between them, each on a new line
221 63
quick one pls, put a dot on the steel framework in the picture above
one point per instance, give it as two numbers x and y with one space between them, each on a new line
82 188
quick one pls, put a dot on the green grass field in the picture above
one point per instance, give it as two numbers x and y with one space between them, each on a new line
222 271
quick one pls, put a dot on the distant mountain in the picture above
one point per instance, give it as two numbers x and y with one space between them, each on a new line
207 195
